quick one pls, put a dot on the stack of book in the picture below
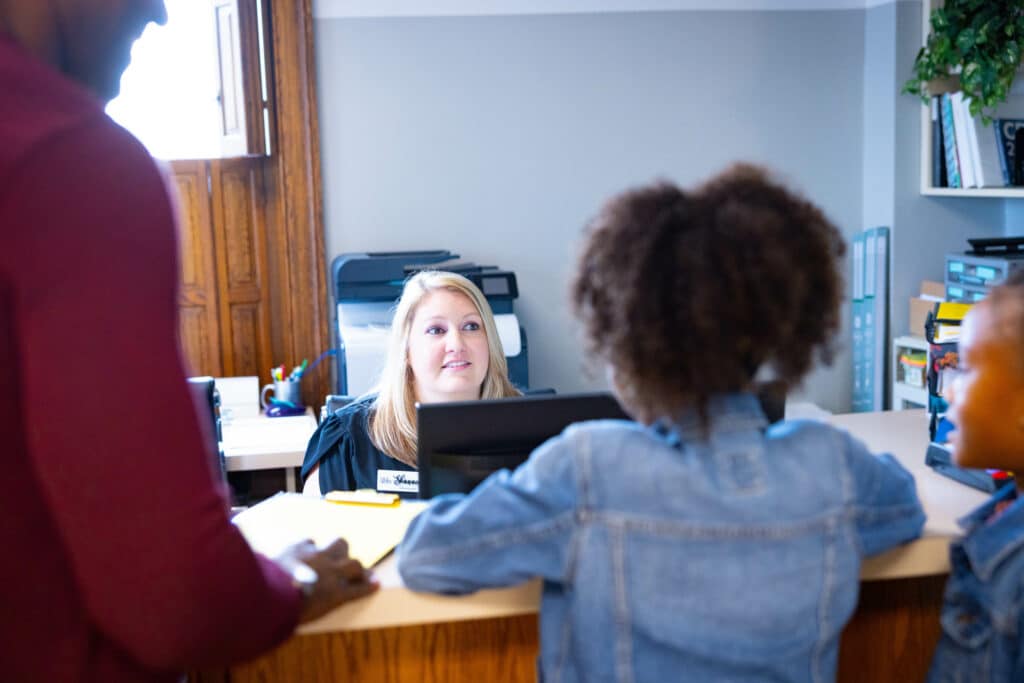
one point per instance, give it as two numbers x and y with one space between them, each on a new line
968 153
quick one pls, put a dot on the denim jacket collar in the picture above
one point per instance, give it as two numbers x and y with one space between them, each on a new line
727 413
988 544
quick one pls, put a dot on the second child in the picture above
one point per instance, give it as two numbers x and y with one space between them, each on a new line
983 612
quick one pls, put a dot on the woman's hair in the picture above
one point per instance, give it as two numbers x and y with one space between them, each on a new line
393 418
684 295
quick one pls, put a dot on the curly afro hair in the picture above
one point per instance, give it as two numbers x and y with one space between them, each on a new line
685 295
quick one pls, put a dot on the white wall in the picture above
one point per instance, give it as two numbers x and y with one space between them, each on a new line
498 137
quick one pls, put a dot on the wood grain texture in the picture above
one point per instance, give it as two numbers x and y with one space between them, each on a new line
254 100
299 303
240 227
458 652
199 327
894 631
890 638
252 241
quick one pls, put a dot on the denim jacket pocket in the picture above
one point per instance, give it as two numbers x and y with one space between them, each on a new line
964 652
968 625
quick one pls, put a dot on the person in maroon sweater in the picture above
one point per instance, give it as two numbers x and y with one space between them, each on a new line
119 560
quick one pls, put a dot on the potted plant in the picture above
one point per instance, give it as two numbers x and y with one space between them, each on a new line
980 42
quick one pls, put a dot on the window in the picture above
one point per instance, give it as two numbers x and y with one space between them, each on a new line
187 93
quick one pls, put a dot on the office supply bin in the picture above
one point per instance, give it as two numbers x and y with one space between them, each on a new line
913 367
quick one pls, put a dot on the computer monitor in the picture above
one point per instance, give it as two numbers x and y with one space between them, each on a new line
460 443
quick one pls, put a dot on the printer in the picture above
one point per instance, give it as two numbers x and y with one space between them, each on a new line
367 287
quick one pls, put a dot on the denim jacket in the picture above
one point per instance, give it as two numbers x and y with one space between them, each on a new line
982 624
668 553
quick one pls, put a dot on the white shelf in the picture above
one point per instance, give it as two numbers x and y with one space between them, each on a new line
909 341
905 395
991 192
926 141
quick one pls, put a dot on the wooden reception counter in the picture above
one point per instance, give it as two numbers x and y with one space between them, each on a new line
397 635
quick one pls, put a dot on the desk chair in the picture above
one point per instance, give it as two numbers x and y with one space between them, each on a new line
207 398
334 403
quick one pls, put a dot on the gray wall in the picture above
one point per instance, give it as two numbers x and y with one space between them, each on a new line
499 137
924 228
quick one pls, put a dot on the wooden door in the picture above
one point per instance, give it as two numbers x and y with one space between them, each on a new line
199 323
240 236
225 304
254 289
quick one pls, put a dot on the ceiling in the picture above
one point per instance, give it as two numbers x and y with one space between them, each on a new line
326 9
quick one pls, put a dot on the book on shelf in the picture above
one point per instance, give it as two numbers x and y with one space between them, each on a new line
938 151
949 142
964 151
1006 130
1018 159
984 150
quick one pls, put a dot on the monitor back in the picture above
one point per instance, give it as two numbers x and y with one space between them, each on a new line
460 443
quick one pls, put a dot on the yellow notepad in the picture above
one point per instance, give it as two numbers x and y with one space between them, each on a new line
372 531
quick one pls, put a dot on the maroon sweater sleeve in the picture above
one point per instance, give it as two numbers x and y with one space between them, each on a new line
114 436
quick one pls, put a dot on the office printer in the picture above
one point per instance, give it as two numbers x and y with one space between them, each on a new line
366 289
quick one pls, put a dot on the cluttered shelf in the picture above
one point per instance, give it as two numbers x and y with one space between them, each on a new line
909 371
961 155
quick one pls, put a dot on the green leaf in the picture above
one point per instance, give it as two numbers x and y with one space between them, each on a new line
978 38
966 39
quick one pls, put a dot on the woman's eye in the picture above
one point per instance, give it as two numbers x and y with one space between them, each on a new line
471 326
435 330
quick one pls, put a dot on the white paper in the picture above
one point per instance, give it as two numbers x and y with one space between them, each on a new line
239 396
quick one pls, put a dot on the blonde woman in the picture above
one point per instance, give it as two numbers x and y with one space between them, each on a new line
444 346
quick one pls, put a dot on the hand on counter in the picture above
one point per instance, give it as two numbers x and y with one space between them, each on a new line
338 578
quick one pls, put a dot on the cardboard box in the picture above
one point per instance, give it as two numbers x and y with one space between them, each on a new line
922 305
936 291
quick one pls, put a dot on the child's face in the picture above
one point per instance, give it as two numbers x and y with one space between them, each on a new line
987 397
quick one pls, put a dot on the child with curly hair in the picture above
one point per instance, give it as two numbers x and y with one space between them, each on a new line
700 543
983 612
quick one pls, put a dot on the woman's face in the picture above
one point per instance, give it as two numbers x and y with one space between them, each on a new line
447 348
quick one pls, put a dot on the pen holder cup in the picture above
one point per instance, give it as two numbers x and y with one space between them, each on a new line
286 391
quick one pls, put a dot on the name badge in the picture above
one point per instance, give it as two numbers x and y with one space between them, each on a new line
398 480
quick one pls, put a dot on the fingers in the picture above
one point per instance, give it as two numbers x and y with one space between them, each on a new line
354 591
351 570
303 547
338 550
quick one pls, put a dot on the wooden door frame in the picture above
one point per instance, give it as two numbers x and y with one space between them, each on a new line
295 231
